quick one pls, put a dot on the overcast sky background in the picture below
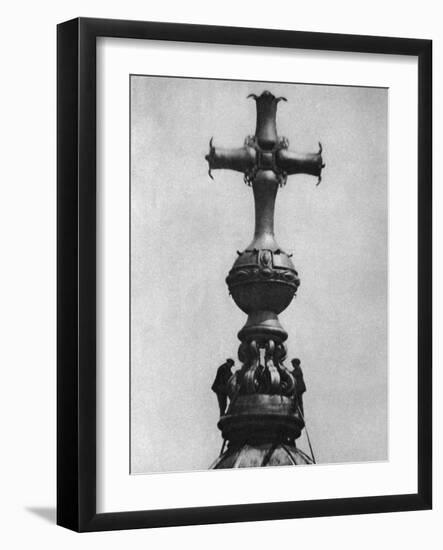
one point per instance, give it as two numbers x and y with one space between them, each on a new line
185 230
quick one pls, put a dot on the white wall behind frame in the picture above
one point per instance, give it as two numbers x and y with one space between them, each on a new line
27 223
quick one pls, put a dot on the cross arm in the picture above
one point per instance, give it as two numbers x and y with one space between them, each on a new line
241 159
300 163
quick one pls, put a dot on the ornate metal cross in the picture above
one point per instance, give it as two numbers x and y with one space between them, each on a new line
264 403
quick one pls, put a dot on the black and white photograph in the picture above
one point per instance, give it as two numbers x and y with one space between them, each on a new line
258 274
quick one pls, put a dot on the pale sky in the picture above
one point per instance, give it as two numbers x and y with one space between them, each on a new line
185 230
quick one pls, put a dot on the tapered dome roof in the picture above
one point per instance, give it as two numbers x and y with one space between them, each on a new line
261 454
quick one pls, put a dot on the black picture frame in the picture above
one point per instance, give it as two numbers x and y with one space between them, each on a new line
76 267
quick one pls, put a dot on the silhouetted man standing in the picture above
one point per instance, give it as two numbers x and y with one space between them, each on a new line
300 386
220 385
